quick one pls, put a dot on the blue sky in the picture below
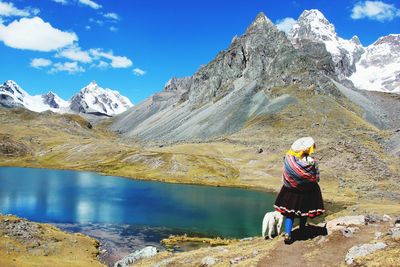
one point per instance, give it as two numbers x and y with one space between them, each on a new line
136 46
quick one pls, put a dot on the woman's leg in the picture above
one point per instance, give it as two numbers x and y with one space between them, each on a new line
303 221
289 225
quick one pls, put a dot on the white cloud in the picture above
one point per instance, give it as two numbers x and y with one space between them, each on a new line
38 63
113 16
75 53
101 65
116 61
35 34
63 2
87 27
70 67
139 72
375 10
113 29
285 24
90 3
9 10
97 21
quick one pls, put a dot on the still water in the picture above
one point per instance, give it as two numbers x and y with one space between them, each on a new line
75 200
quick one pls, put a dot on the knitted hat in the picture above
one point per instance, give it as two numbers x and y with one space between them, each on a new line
302 144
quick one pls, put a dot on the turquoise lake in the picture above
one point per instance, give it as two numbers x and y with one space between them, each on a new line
91 203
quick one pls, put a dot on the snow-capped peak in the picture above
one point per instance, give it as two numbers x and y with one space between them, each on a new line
54 101
97 100
379 67
90 99
312 25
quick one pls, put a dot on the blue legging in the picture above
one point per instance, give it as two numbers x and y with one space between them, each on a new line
289 223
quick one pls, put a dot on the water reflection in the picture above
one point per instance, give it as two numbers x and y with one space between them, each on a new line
82 197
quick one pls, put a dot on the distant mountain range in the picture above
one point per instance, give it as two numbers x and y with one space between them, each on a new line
92 99
310 54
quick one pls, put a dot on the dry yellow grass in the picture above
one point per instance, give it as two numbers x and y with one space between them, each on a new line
53 248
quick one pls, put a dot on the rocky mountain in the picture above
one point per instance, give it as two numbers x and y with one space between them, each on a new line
379 67
248 80
12 95
313 26
92 99
224 94
376 67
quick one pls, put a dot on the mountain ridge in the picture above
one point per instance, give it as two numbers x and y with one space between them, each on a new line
97 101
374 68
222 96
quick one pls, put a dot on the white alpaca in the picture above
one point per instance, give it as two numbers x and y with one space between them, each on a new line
270 220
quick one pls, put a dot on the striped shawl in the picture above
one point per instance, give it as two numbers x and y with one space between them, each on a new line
299 174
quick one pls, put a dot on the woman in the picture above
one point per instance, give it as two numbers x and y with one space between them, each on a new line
300 195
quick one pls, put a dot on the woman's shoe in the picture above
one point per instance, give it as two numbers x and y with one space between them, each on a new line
288 239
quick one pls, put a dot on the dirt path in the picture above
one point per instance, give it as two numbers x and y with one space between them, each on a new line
319 250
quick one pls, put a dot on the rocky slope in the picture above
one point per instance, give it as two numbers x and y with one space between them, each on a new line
25 243
224 94
91 99
235 87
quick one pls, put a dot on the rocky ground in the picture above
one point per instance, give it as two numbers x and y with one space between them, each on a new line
355 240
25 243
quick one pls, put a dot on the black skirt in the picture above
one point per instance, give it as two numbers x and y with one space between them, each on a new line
295 203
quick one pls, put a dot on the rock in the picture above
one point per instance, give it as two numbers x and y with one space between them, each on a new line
378 235
237 260
147 252
341 222
397 222
349 231
387 218
363 250
224 250
260 150
373 218
395 233
208 261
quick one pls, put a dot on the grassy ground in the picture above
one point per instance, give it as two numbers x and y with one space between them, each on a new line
43 245
356 172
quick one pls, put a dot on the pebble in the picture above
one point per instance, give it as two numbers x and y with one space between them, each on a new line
378 235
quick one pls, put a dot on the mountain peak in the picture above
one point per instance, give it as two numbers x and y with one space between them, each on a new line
313 14
260 21
356 40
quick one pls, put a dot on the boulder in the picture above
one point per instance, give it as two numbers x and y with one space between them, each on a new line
208 261
395 233
147 252
342 222
363 250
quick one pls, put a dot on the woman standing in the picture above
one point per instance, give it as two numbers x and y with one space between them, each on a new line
300 195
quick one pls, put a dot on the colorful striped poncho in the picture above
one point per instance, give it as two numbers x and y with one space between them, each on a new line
299 174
